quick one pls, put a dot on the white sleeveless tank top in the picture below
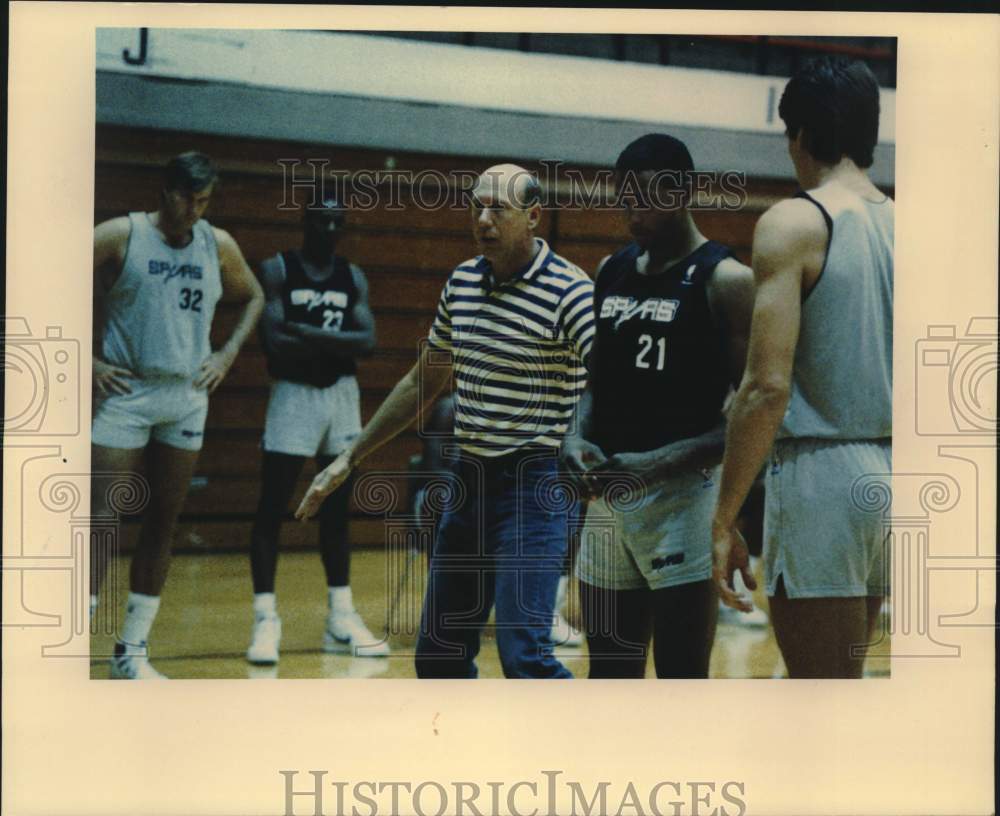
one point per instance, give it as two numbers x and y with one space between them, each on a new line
159 312
842 376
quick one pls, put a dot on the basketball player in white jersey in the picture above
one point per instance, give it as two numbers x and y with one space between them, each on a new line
817 393
157 279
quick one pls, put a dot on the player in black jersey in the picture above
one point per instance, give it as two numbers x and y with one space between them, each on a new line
673 312
316 322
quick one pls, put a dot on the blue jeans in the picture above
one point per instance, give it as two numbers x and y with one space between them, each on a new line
504 543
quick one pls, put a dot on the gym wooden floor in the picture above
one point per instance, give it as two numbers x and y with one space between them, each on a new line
203 628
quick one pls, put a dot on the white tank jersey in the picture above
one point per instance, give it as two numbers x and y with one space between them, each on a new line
842 376
159 312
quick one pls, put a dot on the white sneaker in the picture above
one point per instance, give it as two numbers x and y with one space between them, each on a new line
563 633
346 633
264 643
133 667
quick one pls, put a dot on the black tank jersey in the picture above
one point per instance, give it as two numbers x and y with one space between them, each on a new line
661 367
326 305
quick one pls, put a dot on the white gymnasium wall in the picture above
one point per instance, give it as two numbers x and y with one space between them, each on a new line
399 94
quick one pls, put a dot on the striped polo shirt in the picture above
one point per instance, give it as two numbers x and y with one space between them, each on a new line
519 350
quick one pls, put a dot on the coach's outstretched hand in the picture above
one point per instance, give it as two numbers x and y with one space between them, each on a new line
325 482
729 553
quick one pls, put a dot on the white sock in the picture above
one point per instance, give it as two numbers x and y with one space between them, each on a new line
93 606
264 605
340 599
140 612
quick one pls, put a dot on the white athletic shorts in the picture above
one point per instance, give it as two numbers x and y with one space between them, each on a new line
303 420
817 536
664 539
168 410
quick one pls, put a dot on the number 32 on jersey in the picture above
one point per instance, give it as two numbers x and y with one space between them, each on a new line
190 299
646 344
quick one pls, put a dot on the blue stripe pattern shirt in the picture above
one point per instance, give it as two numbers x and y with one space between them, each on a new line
519 350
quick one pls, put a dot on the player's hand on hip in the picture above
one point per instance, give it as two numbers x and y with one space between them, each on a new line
111 379
213 371
730 553
577 456
325 482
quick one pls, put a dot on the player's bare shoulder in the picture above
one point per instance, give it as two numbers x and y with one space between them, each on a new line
358 276
729 273
112 236
119 226
790 238
238 279
794 224
110 247
272 272
228 248
730 290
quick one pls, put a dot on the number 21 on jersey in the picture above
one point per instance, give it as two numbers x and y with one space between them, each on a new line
645 347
